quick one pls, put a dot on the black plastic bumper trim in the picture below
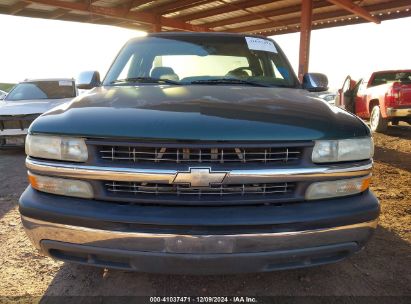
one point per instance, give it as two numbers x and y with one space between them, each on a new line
202 264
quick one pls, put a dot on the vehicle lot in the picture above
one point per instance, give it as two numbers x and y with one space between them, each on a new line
381 269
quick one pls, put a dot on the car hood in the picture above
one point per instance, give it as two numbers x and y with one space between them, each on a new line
200 112
27 107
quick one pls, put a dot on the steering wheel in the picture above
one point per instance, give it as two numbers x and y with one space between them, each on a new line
240 71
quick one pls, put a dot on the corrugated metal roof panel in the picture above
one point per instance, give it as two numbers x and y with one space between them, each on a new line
201 7
40 7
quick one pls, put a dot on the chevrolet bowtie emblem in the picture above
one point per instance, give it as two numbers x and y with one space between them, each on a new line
199 177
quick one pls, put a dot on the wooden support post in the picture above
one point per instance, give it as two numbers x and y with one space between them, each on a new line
305 36
157 24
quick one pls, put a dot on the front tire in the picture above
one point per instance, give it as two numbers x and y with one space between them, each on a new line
377 122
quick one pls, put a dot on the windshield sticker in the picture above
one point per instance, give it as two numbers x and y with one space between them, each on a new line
65 83
258 44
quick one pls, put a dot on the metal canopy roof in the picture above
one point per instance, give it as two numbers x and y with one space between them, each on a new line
265 17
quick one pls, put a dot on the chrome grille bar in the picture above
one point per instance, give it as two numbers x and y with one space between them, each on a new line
270 175
136 188
200 155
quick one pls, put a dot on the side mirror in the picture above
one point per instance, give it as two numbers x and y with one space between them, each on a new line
315 82
88 80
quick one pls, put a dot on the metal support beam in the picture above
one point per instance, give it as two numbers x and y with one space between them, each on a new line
305 37
225 8
268 27
16 8
120 13
175 6
266 14
57 13
355 9
293 25
136 3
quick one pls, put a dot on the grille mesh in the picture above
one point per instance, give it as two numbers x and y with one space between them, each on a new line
134 188
15 124
200 155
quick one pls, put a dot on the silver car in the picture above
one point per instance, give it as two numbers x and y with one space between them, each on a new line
329 97
28 100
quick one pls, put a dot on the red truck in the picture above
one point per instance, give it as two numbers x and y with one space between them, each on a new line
384 98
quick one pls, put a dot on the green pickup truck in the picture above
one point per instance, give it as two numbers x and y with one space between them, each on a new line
199 153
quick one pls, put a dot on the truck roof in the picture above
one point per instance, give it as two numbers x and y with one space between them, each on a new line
202 34
198 34
392 71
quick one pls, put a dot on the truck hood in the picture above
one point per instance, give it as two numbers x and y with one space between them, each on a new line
26 107
200 112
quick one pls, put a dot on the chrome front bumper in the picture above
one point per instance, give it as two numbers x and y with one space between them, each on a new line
94 244
391 112
13 132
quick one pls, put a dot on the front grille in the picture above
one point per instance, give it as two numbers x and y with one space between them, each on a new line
183 157
143 189
16 122
200 155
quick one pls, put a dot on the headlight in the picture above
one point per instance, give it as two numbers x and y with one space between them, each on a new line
328 151
61 186
56 147
337 188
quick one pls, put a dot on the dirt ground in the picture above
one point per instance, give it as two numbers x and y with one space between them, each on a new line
382 269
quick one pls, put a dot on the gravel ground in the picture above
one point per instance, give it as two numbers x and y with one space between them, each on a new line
382 269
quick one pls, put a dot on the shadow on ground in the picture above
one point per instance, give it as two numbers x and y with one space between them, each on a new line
366 273
394 158
402 131
392 147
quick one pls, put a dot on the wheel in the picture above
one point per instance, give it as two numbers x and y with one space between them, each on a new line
377 122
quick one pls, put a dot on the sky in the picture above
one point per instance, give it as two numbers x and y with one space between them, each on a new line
37 48
40 48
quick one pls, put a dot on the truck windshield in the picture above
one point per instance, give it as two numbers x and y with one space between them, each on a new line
202 60
43 90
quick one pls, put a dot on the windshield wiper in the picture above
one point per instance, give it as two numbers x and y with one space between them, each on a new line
228 81
145 80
